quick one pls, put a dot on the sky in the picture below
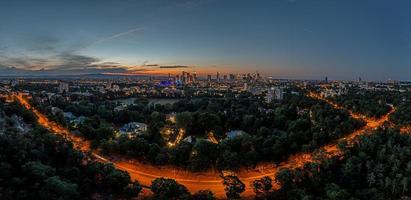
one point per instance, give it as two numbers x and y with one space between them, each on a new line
302 39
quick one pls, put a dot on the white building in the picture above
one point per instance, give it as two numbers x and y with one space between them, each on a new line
63 87
115 88
234 133
274 93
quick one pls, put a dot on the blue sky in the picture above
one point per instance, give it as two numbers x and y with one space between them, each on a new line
341 39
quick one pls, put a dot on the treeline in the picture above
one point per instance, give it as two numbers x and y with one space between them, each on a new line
370 103
376 167
101 110
14 108
272 131
402 114
270 136
41 165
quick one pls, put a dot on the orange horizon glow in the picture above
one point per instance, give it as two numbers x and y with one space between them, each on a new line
201 72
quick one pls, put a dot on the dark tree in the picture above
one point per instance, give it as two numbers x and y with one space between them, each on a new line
203 195
233 186
168 189
262 185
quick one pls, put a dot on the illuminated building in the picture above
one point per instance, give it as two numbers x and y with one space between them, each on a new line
276 93
63 87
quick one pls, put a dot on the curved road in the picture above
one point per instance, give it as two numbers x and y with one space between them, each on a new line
211 180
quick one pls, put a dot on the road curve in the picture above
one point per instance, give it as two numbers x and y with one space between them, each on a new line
210 180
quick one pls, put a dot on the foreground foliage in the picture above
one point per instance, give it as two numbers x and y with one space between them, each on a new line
378 166
41 165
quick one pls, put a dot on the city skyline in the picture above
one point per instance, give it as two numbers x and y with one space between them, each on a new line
283 39
205 99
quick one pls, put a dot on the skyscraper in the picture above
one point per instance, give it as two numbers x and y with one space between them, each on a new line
195 77
183 77
63 87
188 77
209 78
245 87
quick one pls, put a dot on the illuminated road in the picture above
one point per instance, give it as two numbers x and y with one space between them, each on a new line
211 180
406 129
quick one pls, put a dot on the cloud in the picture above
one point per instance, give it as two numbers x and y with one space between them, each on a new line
3 48
112 37
13 71
62 64
190 4
140 71
47 55
38 55
117 35
73 64
175 66
74 61
23 62
151 65
41 44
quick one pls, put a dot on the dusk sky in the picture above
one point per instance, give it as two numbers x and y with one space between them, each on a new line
310 39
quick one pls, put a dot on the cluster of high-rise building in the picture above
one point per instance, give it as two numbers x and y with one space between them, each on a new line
184 78
224 77
187 77
192 76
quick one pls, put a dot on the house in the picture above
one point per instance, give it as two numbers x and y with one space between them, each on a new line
234 133
55 110
120 107
69 116
73 120
133 128
190 139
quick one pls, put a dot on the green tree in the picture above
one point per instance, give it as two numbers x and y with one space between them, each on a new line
55 188
233 186
184 120
168 189
263 185
203 195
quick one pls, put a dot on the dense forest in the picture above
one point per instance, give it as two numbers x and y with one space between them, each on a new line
402 116
377 166
267 133
370 103
271 131
41 165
